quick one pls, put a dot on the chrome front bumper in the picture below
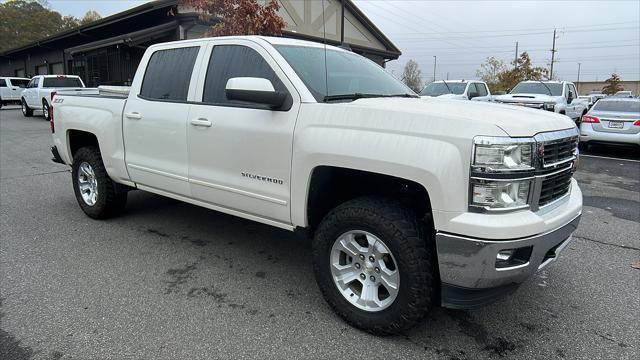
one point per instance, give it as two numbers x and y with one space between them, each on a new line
468 269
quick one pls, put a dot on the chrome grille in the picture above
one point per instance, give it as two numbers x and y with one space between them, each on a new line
555 186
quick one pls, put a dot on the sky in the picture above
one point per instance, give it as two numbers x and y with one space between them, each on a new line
604 36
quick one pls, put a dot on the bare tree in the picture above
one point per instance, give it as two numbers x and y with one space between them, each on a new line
411 76
490 71
90 16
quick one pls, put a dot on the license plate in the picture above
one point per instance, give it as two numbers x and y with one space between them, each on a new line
616 124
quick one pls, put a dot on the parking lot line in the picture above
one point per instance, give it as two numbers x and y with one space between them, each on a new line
610 158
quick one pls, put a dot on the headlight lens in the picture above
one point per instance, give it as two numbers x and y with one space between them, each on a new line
549 106
500 194
491 156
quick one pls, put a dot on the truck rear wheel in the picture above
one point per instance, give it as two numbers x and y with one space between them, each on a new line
26 110
373 265
45 109
95 191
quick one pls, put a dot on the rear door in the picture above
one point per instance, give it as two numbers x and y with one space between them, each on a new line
241 159
155 118
31 93
16 87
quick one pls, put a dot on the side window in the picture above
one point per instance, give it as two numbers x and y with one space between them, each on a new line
36 81
230 61
482 89
567 91
168 74
3 83
575 92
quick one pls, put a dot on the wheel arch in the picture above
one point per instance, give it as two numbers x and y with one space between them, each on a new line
77 139
330 186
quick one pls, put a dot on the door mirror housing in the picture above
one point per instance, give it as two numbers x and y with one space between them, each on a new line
473 94
254 90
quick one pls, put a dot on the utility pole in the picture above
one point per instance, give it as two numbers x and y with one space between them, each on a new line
553 54
515 60
341 24
578 81
447 75
434 67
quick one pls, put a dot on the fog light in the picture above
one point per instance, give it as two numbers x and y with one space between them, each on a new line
509 258
505 255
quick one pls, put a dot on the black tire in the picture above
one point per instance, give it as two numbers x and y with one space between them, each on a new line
26 110
108 203
404 234
45 109
583 146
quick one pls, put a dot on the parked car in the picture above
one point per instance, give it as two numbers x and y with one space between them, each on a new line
556 96
588 99
612 121
457 89
411 203
41 89
10 90
624 94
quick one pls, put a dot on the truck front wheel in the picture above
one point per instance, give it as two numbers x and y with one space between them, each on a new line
95 191
374 266
26 110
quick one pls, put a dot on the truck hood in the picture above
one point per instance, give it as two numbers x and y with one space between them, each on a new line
512 120
528 98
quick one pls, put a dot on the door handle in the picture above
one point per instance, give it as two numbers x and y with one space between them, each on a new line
201 122
133 116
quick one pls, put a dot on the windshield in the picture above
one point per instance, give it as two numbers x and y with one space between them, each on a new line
21 83
617 106
61 82
440 88
346 73
538 88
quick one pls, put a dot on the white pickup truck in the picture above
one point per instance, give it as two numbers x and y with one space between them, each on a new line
457 89
411 203
556 96
11 89
42 88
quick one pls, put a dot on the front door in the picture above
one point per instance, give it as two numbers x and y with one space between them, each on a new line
240 153
155 120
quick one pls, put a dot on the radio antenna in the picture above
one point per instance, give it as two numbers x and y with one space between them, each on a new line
324 37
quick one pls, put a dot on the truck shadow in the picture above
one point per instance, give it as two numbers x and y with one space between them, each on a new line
263 253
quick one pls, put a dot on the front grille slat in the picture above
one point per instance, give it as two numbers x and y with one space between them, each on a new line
555 186
557 151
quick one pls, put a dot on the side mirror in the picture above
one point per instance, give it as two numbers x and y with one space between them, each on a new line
569 99
254 90
473 94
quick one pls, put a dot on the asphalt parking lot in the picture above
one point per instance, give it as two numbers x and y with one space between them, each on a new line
170 280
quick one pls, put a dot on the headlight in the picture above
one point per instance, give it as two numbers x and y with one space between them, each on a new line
549 106
497 195
495 154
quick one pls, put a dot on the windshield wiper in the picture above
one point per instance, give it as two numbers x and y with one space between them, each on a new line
545 85
447 85
355 96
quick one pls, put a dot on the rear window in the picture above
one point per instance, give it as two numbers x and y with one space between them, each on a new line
168 74
620 106
61 82
21 83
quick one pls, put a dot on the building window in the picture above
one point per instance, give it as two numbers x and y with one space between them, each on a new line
168 74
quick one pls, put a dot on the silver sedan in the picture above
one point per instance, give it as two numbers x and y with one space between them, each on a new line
612 121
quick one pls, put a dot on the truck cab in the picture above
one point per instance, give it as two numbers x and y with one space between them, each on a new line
11 89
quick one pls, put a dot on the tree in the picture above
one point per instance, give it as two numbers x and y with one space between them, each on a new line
25 21
489 72
613 85
240 17
90 16
411 75
524 70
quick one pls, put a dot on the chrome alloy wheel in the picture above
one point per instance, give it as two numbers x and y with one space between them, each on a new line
364 270
88 184
24 108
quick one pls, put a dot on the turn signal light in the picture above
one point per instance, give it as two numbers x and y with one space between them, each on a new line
53 93
590 119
